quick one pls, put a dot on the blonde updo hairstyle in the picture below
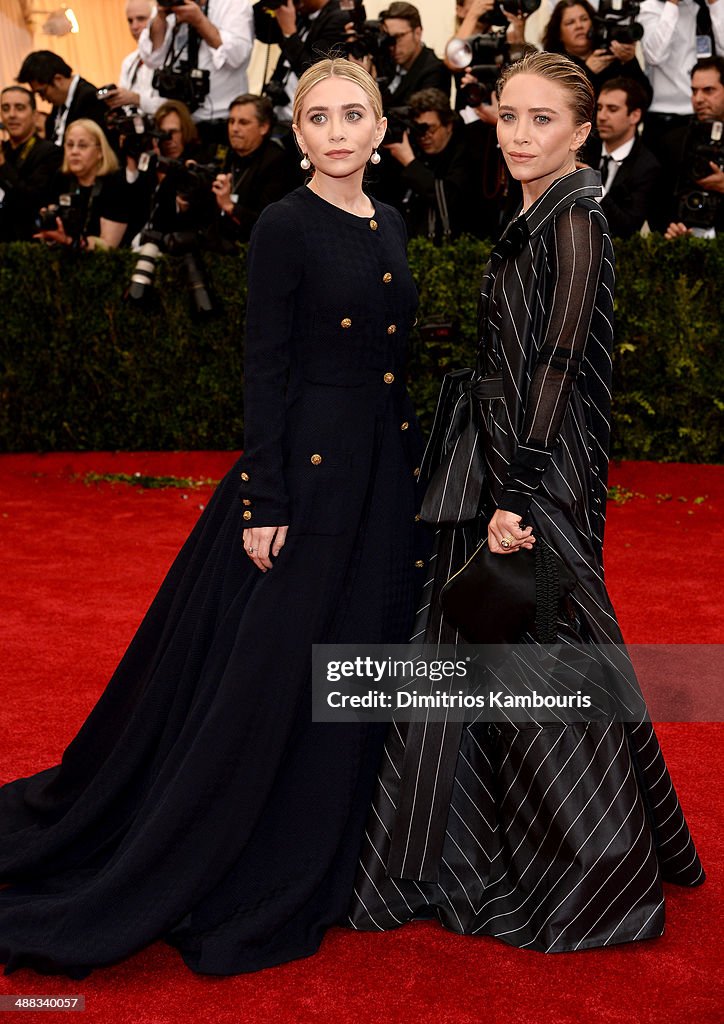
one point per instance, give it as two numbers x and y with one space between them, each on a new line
337 67
563 72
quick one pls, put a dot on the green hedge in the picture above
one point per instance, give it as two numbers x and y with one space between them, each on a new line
80 368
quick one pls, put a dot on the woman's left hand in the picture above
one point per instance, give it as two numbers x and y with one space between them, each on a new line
505 535
599 61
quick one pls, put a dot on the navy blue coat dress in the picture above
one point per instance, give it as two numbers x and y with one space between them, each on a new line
199 803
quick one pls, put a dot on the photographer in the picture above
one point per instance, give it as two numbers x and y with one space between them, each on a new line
629 171
72 97
305 31
201 51
91 209
415 65
676 33
257 170
572 33
135 84
435 173
28 165
691 199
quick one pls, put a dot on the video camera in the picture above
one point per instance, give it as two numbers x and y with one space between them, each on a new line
615 22
704 145
486 55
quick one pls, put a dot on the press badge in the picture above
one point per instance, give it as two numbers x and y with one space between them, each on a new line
704 47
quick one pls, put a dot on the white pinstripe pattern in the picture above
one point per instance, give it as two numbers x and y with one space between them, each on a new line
557 837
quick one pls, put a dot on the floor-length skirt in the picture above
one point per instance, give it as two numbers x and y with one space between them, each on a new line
199 802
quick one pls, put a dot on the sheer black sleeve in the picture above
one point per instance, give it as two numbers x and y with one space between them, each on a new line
577 254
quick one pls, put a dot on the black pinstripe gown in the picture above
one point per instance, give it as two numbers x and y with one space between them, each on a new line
549 837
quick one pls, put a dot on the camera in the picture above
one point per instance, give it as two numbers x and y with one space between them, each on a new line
68 211
615 22
704 145
486 55
187 245
190 86
277 93
399 121
137 130
520 8
699 209
168 4
105 90
266 28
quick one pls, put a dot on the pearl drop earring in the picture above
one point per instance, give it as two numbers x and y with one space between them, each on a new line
305 163
375 158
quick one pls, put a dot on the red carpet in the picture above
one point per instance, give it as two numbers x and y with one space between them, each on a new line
79 564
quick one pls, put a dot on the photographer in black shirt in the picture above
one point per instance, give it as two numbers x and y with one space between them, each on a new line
435 170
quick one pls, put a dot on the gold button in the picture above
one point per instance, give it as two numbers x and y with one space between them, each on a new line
419 564
245 477
386 278
373 225
404 425
246 501
316 460
392 328
417 518
416 471
346 322
388 378
247 514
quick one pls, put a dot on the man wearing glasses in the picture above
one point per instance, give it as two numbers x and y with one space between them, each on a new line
416 66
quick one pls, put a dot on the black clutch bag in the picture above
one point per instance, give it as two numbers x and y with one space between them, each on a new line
494 599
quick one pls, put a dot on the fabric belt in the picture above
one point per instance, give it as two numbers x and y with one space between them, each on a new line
487 387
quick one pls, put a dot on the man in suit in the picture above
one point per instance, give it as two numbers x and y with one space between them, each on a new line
72 97
27 166
629 171
257 172
307 31
416 66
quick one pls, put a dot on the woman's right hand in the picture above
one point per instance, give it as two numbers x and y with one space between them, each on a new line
262 543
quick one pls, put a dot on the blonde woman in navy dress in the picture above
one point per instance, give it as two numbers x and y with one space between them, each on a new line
199 803
549 837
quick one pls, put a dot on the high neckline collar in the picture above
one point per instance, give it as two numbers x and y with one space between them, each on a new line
582 184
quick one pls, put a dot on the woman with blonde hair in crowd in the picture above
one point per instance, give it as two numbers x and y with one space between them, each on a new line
91 210
199 803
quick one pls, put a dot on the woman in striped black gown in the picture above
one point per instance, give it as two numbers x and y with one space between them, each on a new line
549 837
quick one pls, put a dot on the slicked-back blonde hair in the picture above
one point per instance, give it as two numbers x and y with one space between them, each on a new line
107 161
337 67
561 71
